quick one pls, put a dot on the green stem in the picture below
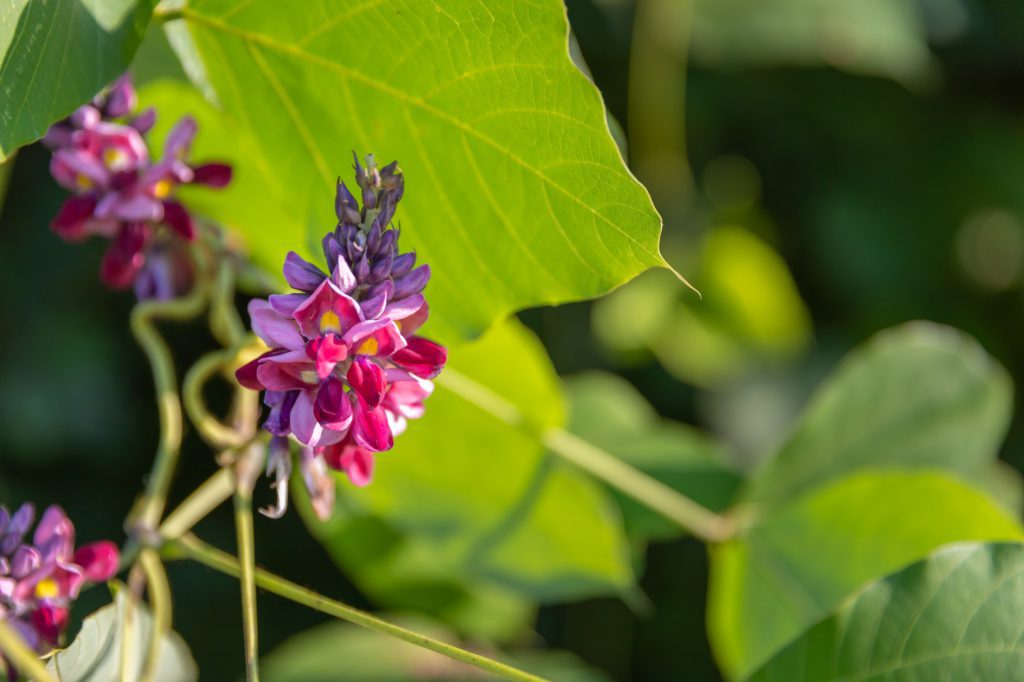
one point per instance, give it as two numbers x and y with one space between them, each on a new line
168 402
210 428
160 603
199 551
645 489
19 653
247 580
203 500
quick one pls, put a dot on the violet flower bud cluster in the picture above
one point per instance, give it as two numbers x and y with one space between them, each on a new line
40 579
345 369
119 193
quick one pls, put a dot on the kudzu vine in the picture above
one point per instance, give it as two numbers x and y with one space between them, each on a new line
339 362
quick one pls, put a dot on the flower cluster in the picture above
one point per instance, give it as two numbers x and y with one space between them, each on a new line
345 369
118 192
40 579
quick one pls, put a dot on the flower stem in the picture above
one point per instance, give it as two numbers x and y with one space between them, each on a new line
199 551
203 500
247 580
647 490
168 402
23 658
160 604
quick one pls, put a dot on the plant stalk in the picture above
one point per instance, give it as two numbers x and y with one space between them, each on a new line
247 580
160 604
23 658
214 558
647 490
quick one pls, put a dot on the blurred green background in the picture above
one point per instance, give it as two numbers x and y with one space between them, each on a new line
825 168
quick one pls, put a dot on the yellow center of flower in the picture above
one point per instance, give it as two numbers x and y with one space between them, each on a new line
46 589
162 188
116 159
83 181
368 347
330 322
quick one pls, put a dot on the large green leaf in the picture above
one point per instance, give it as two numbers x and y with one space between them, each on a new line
58 55
917 395
516 193
339 651
95 655
790 569
609 412
484 496
954 616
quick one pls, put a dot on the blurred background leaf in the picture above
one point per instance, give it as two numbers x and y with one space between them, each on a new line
339 651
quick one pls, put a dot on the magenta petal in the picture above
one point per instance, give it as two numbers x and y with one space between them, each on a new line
422 357
71 219
326 309
375 337
332 407
275 329
326 351
370 427
246 374
367 379
179 220
99 560
286 371
138 207
212 174
124 257
357 463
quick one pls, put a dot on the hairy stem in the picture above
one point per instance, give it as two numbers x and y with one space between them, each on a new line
647 490
199 551
160 604
19 653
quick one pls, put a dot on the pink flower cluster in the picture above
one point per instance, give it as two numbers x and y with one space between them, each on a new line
346 369
119 193
39 580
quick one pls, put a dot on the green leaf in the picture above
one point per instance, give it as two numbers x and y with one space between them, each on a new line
954 616
608 411
484 496
920 395
516 193
57 55
751 312
95 654
791 568
367 656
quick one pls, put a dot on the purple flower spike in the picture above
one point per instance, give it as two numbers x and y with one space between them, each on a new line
344 373
120 193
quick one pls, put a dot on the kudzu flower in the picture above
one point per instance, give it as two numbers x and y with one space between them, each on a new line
118 192
40 579
345 369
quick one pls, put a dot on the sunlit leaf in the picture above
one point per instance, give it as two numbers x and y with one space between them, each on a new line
58 55
789 569
954 616
515 191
